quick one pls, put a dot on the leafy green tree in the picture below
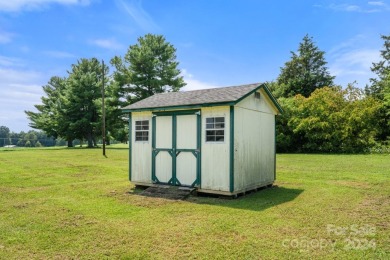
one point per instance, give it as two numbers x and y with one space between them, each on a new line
334 120
4 135
149 67
51 116
380 89
83 99
115 120
305 72
382 70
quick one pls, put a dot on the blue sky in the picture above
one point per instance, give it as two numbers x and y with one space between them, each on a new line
218 42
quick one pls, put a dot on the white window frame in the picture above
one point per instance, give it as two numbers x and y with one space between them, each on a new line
141 128
216 125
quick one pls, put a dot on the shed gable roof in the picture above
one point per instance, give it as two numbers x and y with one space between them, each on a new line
216 96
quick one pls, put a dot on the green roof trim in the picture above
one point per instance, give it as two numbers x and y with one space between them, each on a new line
170 108
210 104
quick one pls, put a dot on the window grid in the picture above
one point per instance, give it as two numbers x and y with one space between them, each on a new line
142 130
215 129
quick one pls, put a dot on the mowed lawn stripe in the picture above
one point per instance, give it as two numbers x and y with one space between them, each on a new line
75 203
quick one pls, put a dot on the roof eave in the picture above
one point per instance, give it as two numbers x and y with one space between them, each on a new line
165 108
226 103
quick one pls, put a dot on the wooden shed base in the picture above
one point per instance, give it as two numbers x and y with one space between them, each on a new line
234 194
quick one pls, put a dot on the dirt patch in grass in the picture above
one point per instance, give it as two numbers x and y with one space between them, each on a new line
352 184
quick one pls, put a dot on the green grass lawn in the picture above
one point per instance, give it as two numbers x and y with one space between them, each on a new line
75 203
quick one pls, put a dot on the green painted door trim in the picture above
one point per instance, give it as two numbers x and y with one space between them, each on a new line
154 152
199 144
130 147
231 159
174 152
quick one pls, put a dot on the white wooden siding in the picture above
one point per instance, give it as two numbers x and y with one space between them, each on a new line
215 155
264 104
254 143
141 161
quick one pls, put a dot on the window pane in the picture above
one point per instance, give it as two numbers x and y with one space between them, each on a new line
220 132
210 120
219 138
137 134
220 120
210 138
220 125
138 127
209 126
145 127
210 132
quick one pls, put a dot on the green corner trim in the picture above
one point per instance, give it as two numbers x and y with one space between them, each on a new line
231 159
275 149
130 130
273 99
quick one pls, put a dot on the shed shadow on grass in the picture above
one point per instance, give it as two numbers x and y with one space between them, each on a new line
255 201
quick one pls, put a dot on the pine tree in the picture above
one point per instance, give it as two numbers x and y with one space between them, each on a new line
305 72
149 67
380 89
83 99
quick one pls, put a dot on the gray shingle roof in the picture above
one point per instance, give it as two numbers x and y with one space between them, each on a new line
194 97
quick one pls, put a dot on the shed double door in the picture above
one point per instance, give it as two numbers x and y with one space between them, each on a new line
176 148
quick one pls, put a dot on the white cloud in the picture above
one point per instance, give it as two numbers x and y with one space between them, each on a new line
9 62
138 14
353 59
355 62
20 90
19 5
194 84
377 3
370 7
5 37
111 44
59 54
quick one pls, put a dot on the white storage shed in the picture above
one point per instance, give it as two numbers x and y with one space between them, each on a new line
219 140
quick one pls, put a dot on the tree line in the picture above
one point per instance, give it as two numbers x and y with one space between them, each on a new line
319 116
31 138
71 108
